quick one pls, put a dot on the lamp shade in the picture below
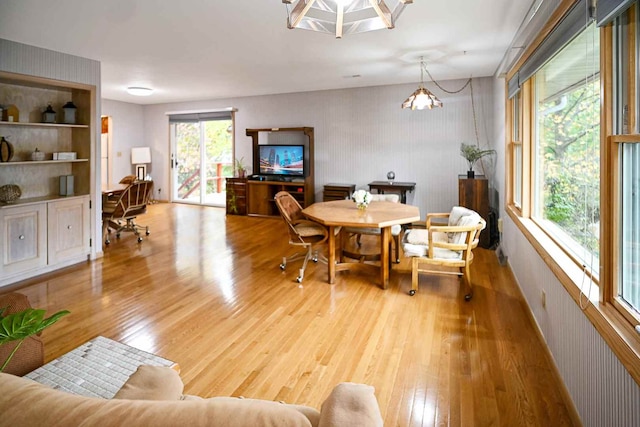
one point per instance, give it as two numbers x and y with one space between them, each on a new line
140 155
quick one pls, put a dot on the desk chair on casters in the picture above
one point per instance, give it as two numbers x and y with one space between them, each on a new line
447 245
120 214
302 232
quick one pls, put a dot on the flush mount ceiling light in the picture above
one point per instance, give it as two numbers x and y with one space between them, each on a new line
422 98
139 91
341 17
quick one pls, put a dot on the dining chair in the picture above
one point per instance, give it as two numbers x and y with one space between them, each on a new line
301 231
357 233
120 214
448 245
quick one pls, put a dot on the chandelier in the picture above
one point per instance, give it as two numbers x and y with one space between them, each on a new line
422 98
341 17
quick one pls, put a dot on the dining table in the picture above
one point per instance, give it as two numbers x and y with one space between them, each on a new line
345 213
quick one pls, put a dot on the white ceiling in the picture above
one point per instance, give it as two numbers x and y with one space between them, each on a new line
205 49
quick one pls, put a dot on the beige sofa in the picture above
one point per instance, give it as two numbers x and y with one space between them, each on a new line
153 397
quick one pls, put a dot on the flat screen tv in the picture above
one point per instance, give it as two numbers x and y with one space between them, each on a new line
281 160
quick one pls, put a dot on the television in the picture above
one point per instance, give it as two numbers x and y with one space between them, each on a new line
281 160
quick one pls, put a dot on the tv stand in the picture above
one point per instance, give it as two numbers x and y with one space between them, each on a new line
261 193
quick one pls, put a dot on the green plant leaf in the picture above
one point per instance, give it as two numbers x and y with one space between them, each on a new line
18 326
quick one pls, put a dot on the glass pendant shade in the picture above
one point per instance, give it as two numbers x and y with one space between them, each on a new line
341 17
422 98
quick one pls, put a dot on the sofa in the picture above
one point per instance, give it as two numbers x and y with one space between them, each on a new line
154 396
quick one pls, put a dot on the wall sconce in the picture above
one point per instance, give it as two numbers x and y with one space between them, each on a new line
140 156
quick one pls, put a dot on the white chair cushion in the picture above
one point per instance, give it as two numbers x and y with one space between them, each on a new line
461 217
395 198
416 243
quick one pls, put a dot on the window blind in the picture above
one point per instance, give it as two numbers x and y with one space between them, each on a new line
200 116
608 10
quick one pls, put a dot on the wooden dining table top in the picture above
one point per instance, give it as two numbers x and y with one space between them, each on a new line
378 214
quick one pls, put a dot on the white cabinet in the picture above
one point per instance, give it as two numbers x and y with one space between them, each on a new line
39 237
68 229
24 238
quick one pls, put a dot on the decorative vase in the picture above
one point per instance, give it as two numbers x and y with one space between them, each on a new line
6 150
10 193
362 206
471 174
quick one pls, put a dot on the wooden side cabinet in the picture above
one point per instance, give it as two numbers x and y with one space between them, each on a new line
236 196
474 194
337 192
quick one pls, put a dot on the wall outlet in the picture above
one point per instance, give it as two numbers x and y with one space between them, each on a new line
500 225
543 299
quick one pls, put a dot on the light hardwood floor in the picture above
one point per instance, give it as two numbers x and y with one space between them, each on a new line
205 290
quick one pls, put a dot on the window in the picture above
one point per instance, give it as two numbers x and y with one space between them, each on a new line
626 165
516 149
566 181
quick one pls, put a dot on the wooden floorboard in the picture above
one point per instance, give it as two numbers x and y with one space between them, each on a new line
205 290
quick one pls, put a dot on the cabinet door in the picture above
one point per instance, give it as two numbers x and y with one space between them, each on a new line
68 229
259 199
24 238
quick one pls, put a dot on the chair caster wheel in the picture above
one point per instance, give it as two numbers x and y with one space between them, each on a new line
147 232
299 280
117 235
106 242
468 297
314 259
412 292
283 266
139 239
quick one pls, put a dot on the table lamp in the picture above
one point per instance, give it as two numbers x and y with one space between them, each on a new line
140 156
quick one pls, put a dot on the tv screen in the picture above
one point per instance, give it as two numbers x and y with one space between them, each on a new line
282 160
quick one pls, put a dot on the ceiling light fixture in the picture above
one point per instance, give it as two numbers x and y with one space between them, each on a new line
139 91
422 98
341 17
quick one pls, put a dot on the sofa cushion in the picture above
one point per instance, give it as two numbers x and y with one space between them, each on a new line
152 383
25 403
351 404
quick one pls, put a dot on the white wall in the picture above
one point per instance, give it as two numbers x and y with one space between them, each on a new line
127 130
360 135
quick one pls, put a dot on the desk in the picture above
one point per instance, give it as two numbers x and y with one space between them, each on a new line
109 190
393 187
380 215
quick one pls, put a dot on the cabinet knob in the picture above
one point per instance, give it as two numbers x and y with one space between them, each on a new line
69 227
21 237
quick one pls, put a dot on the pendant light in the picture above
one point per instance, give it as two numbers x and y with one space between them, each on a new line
422 98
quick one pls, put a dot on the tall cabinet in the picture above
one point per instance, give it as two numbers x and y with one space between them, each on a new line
473 193
43 230
261 193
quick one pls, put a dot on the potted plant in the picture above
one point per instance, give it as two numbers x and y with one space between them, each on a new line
241 169
21 325
473 153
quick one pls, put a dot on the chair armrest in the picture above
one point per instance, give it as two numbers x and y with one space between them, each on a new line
431 216
351 404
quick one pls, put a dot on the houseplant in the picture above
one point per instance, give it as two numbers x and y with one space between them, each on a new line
21 325
241 169
473 153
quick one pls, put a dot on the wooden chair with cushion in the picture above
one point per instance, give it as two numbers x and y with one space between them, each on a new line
129 179
30 355
302 232
448 245
120 214
357 233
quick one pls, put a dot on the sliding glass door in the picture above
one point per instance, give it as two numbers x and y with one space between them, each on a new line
201 157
